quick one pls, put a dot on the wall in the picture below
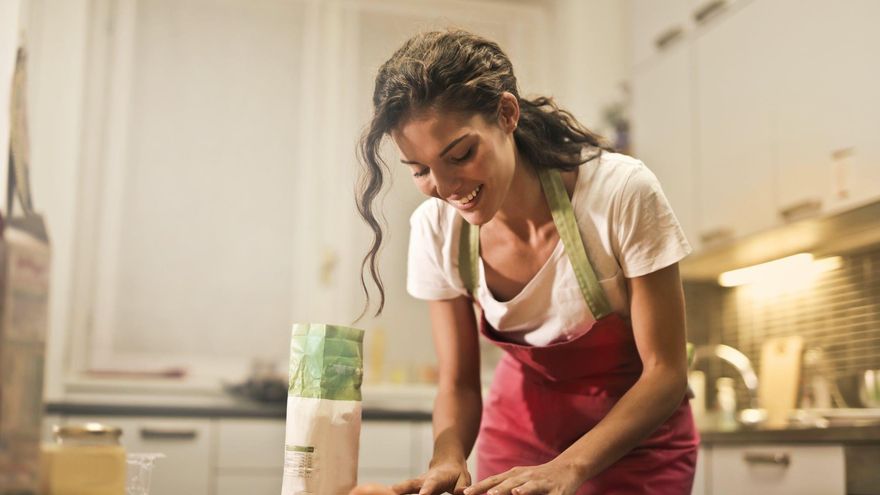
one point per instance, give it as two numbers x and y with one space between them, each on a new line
70 96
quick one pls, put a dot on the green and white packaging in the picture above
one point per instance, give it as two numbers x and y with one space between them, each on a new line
322 434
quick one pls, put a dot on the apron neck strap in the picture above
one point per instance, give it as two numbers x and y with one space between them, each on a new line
566 225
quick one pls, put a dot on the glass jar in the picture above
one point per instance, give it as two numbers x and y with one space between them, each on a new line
85 459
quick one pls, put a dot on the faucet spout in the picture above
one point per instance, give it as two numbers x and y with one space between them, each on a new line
738 360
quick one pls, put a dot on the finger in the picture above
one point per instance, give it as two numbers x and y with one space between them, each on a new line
530 487
483 486
464 481
408 486
431 486
505 487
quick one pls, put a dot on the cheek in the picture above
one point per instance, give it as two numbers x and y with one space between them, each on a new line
426 187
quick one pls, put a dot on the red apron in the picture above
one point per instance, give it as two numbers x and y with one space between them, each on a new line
543 399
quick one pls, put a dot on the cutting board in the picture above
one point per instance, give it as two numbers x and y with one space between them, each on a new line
779 377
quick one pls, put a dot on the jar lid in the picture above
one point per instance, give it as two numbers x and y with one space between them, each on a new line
87 430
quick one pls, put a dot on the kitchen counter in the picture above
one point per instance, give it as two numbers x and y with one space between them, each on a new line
222 409
380 402
856 434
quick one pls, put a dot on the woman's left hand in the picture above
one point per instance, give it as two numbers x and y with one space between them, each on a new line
552 478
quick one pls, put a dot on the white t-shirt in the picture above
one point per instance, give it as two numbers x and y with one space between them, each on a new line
628 229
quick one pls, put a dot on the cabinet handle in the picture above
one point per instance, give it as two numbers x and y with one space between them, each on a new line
801 209
715 236
776 459
708 9
168 433
666 38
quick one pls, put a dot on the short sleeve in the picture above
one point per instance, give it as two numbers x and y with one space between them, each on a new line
647 234
425 278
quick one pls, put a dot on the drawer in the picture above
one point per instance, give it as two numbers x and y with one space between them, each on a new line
185 442
386 446
251 484
778 469
250 444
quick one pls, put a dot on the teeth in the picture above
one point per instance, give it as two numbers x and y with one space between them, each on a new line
470 197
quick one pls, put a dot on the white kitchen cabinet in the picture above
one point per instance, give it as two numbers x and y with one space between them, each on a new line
187 444
734 123
250 444
250 456
704 466
386 453
778 469
250 484
663 129
825 89
655 19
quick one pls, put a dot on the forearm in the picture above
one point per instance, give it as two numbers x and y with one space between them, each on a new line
457 413
640 411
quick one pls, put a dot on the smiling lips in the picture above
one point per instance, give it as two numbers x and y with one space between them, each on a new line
468 200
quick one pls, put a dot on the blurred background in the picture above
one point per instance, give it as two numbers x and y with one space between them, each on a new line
194 161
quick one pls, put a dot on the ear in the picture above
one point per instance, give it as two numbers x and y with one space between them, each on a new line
508 112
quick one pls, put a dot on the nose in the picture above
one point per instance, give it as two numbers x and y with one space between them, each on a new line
445 183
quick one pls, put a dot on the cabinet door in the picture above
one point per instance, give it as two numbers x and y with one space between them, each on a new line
654 19
704 465
251 444
734 124
186 444
386 452
778 469
251 484
663 128
827 97
250 456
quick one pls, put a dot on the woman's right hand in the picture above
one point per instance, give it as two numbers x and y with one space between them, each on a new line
449 476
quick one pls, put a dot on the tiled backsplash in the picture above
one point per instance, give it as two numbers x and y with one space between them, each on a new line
839 312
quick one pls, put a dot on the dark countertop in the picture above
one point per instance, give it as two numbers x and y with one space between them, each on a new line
232 410
861 434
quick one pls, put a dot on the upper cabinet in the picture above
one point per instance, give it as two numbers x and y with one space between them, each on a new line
827 99
734 124
657 24
781 105
663 128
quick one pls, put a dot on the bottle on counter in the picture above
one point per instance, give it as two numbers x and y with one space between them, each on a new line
85 459
726 398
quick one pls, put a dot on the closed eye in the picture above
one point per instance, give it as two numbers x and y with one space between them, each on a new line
459 159
421 173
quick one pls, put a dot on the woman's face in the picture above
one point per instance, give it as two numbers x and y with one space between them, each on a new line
461 159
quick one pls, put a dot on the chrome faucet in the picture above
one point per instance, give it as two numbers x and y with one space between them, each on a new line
738 360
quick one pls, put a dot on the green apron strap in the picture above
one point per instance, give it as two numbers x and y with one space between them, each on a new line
566 225
468 255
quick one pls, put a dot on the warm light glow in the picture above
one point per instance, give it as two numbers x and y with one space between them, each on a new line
791 271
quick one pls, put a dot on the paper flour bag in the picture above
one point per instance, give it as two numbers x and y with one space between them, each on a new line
323 410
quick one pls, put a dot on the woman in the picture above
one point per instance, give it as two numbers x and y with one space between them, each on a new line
553 247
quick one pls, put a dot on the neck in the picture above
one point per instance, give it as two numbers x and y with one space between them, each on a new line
525 211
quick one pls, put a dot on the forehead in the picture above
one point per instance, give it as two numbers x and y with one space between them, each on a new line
426 133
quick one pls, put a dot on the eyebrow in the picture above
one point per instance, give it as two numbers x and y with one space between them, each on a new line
445 150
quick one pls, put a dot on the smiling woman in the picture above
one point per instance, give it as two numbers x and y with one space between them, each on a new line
562 253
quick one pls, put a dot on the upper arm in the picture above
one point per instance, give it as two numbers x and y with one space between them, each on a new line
453 325
658 319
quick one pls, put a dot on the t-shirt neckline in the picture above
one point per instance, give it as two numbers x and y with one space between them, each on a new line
558 251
